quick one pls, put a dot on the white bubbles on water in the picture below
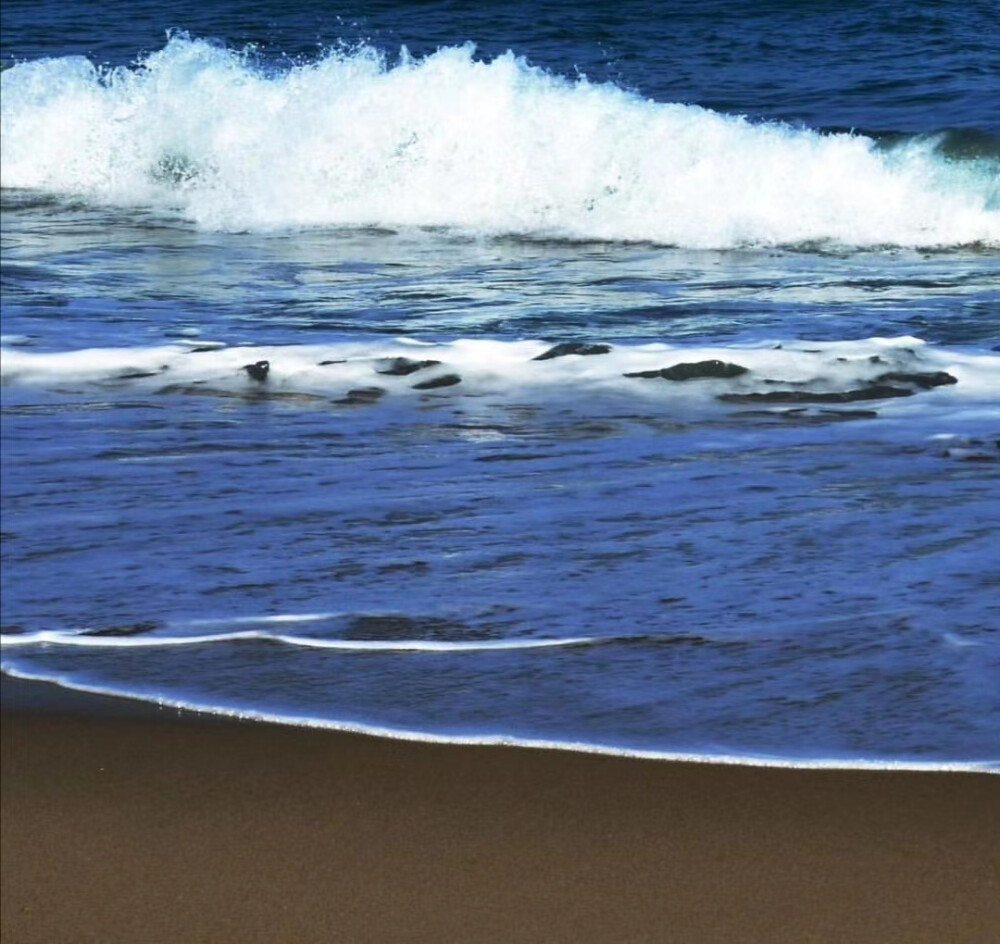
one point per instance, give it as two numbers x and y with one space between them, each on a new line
497 147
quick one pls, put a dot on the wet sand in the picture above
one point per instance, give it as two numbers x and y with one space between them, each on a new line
139 826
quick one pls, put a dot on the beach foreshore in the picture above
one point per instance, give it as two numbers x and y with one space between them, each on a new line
124 822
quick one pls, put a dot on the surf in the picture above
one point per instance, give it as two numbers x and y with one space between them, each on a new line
452 141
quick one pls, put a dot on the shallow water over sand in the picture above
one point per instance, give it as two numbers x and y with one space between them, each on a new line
477 488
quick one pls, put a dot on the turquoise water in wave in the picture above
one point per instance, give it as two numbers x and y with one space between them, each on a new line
467 488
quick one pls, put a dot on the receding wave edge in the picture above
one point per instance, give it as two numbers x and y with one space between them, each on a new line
502 740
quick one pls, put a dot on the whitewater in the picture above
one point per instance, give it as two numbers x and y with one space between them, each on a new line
495 147
633 402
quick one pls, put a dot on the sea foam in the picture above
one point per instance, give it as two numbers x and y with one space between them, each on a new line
493 147
509 370
88 641
988 766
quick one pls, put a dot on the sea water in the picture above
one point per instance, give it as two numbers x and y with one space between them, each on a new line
347 375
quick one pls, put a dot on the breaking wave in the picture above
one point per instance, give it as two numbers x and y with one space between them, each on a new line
493 147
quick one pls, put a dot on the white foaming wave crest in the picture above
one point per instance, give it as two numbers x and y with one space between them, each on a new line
323 372
495 147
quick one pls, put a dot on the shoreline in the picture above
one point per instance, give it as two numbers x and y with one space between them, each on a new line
24 692
123 828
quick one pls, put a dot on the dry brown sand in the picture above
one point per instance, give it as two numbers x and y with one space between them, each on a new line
139 829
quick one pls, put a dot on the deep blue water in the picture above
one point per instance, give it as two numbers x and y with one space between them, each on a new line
884 67
414 524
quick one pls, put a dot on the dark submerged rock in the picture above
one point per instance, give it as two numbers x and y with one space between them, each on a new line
361 396
403 367
694 371
841 416
646 374
573 347
135 373
258 371
806 416
446 380
875 392
925 381
717 369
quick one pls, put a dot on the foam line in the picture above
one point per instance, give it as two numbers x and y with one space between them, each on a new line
82 640
991 766
504 368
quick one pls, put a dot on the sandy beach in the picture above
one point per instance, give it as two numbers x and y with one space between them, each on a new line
139 826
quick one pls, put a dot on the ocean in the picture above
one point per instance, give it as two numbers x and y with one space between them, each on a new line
617 378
